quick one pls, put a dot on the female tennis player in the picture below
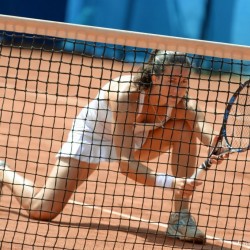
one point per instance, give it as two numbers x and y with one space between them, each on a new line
133 119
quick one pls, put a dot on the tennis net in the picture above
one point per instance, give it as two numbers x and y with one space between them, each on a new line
48 72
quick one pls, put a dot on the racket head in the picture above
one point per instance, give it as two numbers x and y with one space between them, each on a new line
236 121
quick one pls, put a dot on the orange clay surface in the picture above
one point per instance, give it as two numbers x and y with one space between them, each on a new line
108 211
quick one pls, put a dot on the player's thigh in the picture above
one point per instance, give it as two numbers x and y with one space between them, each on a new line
65 177
161 140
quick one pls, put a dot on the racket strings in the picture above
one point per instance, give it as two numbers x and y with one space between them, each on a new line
238 123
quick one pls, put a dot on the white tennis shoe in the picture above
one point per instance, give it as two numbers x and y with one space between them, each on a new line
182 226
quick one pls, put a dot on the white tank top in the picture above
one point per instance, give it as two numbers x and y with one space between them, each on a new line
97 118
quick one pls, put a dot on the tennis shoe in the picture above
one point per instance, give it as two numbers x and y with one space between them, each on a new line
182 226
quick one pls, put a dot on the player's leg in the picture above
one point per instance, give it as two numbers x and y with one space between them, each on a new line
162 140
48 202
183 161
182 142
183 158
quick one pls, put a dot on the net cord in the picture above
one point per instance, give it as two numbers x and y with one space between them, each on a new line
122 37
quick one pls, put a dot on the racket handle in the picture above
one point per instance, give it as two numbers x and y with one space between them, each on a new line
201 169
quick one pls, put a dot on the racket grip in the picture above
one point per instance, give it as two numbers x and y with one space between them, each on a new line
201 169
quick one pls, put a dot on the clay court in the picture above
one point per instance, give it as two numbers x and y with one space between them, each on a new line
40 95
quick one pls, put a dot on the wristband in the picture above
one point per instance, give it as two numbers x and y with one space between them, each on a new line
164 180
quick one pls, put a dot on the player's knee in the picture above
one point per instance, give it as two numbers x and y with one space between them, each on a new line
38 211
182 131
182 126
42 215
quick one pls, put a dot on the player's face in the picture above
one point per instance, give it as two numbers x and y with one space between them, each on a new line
170 88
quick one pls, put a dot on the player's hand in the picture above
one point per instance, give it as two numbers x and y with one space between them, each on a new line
185 186
218 159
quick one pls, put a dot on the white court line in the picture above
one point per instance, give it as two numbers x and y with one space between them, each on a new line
121 215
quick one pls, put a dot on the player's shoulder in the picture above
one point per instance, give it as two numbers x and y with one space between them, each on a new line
121 87
121 94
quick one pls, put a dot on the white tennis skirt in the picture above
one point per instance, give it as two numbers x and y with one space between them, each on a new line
92 147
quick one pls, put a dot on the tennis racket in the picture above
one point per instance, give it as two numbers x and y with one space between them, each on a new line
234 135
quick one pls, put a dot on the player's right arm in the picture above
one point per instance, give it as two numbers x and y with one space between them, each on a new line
123 105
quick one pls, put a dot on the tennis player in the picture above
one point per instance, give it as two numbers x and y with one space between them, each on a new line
133 119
